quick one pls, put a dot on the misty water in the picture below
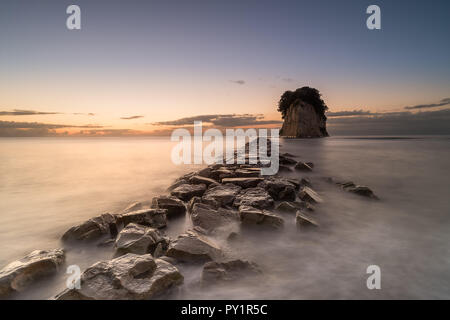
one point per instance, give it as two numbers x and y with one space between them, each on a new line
50 184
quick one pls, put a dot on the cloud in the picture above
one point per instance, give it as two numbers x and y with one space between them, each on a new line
35 125
240 82
19 112
443 102
349 113
131 118
84 114
222 120
404 122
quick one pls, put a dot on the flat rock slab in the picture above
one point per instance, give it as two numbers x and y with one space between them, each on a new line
279 188
186 191
156 218
19 274
243 182
302 219
253 216
93 228
309 195
234 270
129 277
135 238
302 166
208 218
222 195
362 191
200 180
174 206
193 247
254 197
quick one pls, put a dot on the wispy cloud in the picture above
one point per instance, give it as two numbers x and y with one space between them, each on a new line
131 117
240 82
20 112
349 113
443 102
222 120
38 129
30 125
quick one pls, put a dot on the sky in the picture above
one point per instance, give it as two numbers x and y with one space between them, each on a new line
145 67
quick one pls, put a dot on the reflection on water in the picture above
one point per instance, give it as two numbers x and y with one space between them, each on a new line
48 185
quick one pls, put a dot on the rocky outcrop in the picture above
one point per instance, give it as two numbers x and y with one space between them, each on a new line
139 239
279 188
302 219
253 216
302 121
93 228
309 195
222 195
208 218
193 247
254 197
156 218
174 206
234 270
17 275
129 277
186 191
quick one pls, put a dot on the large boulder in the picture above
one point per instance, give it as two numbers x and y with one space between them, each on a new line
174 206
253 216
254 197
243 182
193 247
186 191
222 195
93 228
135 238
279 188
156 218
309 195
129 277
208 218
17 275
234 270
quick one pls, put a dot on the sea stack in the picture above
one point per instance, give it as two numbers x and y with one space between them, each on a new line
303 112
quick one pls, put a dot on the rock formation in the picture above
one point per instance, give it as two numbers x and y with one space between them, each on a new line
303 112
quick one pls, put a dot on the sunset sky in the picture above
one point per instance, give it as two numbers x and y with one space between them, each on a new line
140 65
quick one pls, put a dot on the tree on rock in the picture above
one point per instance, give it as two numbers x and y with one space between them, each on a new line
303 111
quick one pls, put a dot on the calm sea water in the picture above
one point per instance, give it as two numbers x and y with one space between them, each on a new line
50 184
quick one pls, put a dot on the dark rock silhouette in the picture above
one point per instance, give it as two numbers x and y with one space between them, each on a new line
303 111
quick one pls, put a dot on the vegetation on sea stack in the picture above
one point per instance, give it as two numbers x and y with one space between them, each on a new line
305 94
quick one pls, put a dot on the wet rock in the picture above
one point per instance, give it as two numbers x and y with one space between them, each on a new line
295 182
92 229
286 161
202 180
222 195
193 247
221 173
301 166
310 164
253 216
17 275
279 188
133 207
206 172
155 218
176 184
309 195
362 191
286 207
186 191
234 270
245 173
303 220
191 203
254 197
305 182
243 182
209 219
174 206
129 277
139 239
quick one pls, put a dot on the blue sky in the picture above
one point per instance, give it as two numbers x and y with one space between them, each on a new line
171 59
